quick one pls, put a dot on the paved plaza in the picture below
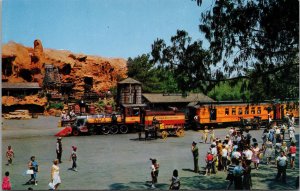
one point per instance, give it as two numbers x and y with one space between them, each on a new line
119 161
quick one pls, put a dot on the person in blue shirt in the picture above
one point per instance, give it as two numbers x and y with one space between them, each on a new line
33 165
238 172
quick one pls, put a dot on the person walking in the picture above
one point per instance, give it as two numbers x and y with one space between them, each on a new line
9 155
195 152
205 134
209 160
55 177
215 157
265 136
224 158
230 175
247 181
6 185
238 172
269 150
292 154
175 181
212 135
292 134
33 165
59 149
154 172
281 162
73 157
255 156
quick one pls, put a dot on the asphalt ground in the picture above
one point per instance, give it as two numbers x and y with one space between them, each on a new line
119 162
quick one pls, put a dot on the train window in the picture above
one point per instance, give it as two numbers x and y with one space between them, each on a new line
233 111
258 110
246 110
135 111
226 111
240 111
252 110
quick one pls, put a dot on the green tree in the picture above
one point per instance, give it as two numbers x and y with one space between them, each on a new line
142 70
257 40
225 91
186 60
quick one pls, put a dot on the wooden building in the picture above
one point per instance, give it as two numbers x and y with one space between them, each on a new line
129 92
20 89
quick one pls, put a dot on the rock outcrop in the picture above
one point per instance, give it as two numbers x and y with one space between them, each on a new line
25 64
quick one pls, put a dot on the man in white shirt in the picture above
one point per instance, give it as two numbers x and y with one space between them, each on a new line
248 154
224 157
281 162
214 152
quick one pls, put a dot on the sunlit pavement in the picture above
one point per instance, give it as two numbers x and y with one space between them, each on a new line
118 161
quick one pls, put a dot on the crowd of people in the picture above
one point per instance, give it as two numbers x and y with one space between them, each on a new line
238 151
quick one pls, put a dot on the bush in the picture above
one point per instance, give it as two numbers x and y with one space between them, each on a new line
59 105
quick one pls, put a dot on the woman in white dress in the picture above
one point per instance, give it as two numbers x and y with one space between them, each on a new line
55 178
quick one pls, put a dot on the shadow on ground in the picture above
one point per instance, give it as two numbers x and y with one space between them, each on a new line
137 186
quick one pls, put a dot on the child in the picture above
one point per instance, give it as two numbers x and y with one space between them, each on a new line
9 155
209 161
74 158
154 172
292 154
175 185
6 185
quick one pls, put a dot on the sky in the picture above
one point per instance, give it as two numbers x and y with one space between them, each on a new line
108 28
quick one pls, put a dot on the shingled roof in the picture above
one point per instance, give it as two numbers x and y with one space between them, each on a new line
22 85
129 81
169 98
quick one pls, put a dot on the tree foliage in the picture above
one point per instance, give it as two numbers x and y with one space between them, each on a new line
225 91
154 78
187 60
257 40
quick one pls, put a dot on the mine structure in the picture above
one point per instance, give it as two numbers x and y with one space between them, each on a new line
52 82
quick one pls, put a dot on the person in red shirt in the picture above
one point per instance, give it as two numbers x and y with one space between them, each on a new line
209 161
292 154
6 185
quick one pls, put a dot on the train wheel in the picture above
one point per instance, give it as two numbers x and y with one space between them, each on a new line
114 129
123 129
105 130
180 133
75 132
164 134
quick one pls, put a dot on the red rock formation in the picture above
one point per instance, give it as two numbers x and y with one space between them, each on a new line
26 61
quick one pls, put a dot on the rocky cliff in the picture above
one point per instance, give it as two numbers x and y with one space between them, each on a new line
26 64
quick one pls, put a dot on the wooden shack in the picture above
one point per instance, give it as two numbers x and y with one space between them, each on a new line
129 92
20 89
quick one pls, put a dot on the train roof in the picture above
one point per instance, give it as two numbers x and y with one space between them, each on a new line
238 102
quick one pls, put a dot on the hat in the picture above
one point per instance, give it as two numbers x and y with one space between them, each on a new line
74 148
59 138
194 143
153 160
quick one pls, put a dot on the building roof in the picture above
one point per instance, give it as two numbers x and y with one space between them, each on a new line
129 81
134 105
22 85
169 98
